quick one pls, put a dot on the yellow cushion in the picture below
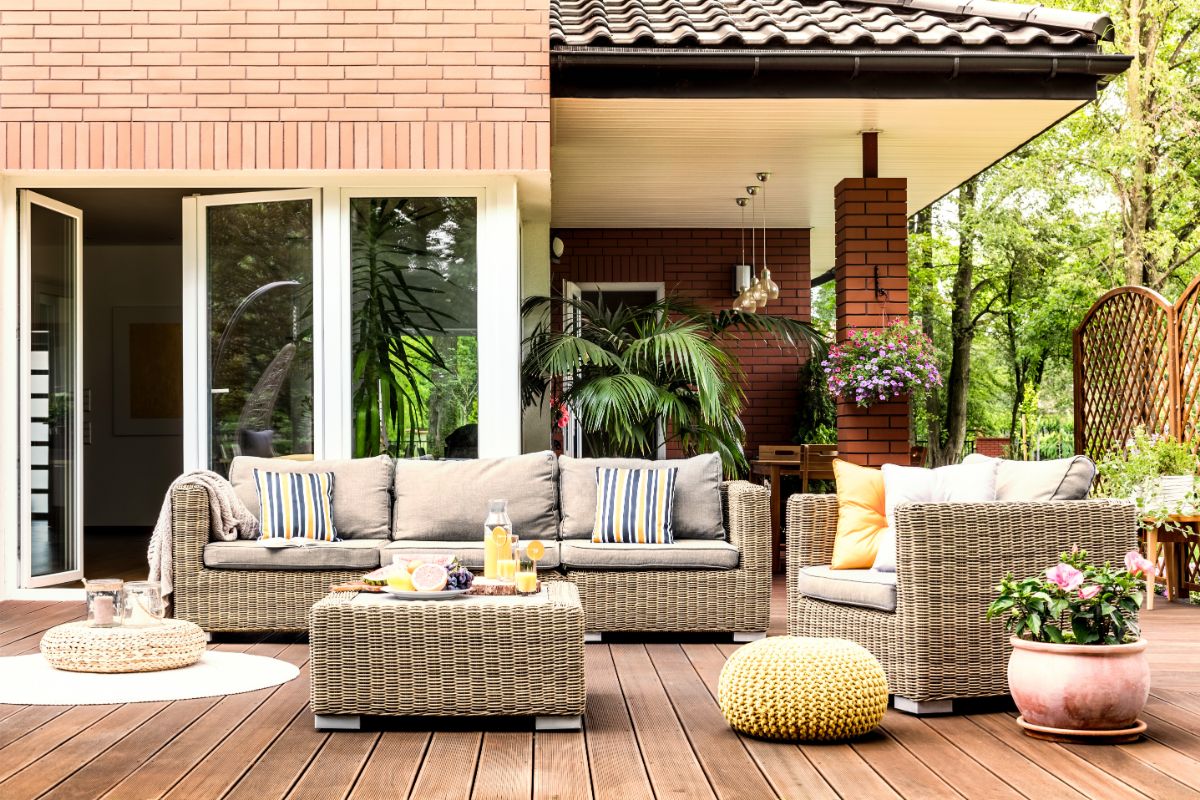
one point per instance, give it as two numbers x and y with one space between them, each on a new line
861 515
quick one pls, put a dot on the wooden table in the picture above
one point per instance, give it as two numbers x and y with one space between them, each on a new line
1176 549
773 470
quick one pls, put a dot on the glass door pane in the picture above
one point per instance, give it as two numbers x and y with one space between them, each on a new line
52 535
414 326
258 259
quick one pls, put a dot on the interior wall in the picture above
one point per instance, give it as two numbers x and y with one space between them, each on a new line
125 476
535 281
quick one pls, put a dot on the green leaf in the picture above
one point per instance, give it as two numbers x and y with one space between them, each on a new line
1053 633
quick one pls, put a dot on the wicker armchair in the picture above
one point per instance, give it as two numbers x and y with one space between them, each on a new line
936 646
736 600
236 599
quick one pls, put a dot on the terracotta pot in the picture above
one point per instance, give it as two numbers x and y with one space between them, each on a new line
1079 687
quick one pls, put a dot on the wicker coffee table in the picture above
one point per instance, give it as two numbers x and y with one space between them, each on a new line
469 656
78 647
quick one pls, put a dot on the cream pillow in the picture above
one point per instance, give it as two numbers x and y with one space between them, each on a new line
957 483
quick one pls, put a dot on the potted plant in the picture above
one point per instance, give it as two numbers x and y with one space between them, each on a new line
1157 472
1078 667
875 366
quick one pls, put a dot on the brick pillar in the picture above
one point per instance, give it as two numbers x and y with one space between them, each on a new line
871 238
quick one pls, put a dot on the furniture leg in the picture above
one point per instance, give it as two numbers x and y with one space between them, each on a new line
337 722
1152 557
573 723
741 637
592 637
922 707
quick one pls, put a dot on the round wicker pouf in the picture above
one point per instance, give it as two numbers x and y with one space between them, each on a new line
77 647
789 687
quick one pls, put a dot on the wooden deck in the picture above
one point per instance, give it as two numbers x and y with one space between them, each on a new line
652 729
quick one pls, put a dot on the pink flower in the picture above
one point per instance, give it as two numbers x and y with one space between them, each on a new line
1088 592
1138 565
1065 577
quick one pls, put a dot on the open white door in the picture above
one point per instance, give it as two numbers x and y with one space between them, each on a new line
51 378
252 326
572 321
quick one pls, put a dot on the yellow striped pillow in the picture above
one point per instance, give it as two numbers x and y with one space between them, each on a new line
296 505
633 506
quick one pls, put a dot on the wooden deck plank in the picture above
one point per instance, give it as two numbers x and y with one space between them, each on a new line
448 771
666 751
1063 763
1022 774
730 769
617 770
183 753
846 771
332 774
1132 771
278 769
785 767
902 771
505 767
392 768
968 778
26 719
18 754
560 767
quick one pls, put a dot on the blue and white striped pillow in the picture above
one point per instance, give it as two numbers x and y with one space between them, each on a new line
633 506
296 505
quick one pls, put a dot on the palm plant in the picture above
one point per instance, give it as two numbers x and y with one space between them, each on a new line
637 376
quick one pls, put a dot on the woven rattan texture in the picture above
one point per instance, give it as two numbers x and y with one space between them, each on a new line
467 657
692 600
234 599
950 556
78 647
802 688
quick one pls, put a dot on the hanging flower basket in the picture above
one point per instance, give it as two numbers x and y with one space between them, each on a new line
878 365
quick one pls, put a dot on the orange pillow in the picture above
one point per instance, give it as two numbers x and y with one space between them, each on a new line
861 515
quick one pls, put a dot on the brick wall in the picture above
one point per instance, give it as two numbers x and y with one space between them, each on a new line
871 253
698 264
279 84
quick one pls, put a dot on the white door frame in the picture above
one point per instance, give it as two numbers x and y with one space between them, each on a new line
27 580
499 282
196 391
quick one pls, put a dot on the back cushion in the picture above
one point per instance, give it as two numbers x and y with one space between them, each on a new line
361 490
1040 481
697 506
447 501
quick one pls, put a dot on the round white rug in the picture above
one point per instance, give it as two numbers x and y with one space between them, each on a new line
30 681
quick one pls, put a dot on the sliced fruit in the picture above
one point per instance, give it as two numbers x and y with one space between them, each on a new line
430 578
413 564
535 550
402 581
499 535
379 577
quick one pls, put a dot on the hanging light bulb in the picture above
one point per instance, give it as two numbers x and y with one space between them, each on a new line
746 302
753 298
768 287
742 268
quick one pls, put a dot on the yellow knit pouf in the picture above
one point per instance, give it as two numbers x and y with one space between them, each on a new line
791 687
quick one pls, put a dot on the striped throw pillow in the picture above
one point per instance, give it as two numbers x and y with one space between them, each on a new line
296 505
633 506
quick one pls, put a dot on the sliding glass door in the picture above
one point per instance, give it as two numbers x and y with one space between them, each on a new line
250 323
51 240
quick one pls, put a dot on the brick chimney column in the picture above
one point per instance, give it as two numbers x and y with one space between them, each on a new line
871 240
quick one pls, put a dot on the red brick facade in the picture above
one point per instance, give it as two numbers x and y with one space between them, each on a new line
275 84
871 254
698 264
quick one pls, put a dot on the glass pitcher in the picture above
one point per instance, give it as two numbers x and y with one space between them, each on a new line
497 533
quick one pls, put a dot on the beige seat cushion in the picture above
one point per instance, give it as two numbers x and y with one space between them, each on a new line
865 588
683 554
469 553
697 507
1041 481
243 554
361 490
447 501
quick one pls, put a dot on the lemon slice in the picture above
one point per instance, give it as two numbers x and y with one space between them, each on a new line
499 535
535 550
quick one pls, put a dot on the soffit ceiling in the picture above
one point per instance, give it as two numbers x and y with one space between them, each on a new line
654 163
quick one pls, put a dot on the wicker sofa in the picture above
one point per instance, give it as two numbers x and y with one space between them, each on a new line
935 643
676 593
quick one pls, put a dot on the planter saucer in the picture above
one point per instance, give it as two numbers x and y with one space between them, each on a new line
1122 736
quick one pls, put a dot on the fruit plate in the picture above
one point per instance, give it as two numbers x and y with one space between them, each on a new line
444 594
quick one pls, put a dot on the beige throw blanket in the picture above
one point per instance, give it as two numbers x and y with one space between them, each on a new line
230 519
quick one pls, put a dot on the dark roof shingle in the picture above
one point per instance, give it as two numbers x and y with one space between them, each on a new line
805 24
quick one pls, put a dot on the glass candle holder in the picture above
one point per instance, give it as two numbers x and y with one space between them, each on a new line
144 606
526 578
104 602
